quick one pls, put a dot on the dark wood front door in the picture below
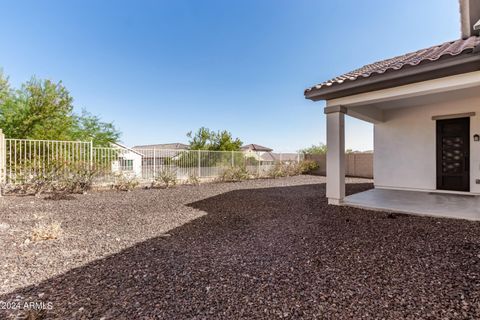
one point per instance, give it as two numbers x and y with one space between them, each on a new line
453 159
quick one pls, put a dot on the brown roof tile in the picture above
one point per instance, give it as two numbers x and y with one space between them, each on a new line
167 146
452 48
255 147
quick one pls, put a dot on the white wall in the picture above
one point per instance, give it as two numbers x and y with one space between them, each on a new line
405 145
137 162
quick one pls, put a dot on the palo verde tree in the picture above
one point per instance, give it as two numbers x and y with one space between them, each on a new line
43 109
315 149
206 139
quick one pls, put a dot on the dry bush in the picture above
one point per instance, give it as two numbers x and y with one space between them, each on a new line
193 180
80 178
43 231
307 166
166 178
35 181
56 178
125 182
232 174
293 169
285 170
277 171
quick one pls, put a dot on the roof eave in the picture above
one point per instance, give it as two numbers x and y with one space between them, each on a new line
426 71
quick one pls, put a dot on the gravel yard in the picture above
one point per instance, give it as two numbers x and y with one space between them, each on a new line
255 249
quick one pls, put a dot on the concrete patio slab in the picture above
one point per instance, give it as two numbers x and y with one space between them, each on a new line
419 203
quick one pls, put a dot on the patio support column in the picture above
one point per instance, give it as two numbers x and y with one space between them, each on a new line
335 154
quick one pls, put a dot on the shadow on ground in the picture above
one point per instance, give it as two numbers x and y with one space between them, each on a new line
279 252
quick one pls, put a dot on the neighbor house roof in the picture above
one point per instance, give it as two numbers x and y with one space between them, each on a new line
255 147
166 146
450 50
121 146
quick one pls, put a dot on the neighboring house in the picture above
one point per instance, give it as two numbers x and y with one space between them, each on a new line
128 160
255 147
257 152
266 156
425 108
156 154
164 146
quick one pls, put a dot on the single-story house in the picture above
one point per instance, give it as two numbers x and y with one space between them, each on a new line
156 154
266 156
425 108
164 146
255 148
128 160
257 152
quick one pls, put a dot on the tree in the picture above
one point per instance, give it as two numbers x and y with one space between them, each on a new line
39 110
90 127
43 109
315 149
5 91
206 139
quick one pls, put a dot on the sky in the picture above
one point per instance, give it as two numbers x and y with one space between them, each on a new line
159 69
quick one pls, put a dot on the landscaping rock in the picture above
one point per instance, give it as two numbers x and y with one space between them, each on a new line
261 249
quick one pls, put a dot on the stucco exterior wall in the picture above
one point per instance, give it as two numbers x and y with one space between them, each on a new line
405 145
356 164
136 165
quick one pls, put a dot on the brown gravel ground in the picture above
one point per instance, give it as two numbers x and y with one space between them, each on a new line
257 249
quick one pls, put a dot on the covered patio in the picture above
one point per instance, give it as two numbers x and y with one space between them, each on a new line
425 110
433 204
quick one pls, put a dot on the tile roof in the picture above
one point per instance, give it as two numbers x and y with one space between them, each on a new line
121 146
169 146
255 147
448 49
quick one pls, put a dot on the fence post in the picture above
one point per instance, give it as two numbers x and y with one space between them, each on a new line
199 164
259 157
233 160
91 154
3 161
154 164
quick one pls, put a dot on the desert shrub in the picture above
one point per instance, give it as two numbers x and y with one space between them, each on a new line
55 178
293 169
307 166
285 170
193 180
232 174
255 175
80 179
77 178
42 231
277 171
34 181
124 182
166 178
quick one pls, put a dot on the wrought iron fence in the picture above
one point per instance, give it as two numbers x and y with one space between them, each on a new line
20 158
23 158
